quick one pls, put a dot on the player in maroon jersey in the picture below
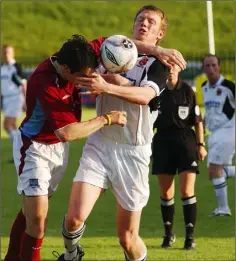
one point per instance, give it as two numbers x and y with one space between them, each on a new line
41 143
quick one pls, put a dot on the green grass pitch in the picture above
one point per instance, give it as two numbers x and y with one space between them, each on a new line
214 236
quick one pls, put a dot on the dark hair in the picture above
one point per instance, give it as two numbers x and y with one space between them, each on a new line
164 22
210 55
77 54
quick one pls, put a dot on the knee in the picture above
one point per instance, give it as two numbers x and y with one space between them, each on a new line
167 195
187 192
36 225
126 240
73 223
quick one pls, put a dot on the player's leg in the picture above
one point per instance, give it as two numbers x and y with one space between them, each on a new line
221 149
229 171
10 127
129 169
12 108
89 182
16 236
128 232
82 199
220 186
35 211
187 185
166 185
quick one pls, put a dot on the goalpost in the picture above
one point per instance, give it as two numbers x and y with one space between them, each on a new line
211 39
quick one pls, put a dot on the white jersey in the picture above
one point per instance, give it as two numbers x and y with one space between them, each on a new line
11 76
148 71
219 102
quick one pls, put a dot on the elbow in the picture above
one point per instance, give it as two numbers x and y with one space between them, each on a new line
143 101
64 136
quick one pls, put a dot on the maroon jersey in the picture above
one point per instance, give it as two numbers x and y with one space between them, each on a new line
52 103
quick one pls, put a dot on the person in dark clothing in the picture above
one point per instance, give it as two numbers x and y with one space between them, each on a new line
177 149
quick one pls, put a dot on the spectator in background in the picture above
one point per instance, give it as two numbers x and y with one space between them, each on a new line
13 88
177 148
219 102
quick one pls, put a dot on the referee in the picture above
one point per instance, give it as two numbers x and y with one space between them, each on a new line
177 149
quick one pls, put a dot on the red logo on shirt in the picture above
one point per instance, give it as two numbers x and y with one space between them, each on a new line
142 62
218 92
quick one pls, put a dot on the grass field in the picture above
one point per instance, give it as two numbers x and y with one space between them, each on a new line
214 236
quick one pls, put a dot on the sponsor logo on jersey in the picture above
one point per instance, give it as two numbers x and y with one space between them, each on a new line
210 104
183 112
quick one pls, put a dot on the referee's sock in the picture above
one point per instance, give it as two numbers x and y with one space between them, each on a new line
168 211
71 240
190 214
220 186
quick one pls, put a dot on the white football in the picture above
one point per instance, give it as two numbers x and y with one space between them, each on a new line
118 54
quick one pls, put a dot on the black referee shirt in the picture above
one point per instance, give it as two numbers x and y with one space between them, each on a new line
177 108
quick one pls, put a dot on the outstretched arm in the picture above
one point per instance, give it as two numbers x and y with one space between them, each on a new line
165 55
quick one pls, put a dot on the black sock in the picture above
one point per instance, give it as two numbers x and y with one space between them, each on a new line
190 214
168 210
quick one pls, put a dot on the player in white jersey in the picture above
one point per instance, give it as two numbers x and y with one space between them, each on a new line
12 90
219 102
119 157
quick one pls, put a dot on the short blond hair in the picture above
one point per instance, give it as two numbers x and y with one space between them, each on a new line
164 21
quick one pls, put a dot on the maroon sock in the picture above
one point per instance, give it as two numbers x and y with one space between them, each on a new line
16 236
31 248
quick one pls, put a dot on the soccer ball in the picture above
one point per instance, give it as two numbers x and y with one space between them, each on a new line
118 54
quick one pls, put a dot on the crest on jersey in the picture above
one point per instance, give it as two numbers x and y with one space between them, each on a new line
218 92
142 62
110 56
183 112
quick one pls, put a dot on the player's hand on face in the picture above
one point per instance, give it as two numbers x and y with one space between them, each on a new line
116 79
171 56
118 117
201 153
94 83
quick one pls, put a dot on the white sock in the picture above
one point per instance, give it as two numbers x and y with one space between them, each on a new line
142 258
229 171
11 134
71 241
220 187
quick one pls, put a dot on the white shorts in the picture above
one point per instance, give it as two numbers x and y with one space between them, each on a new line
123 167
13 105
221 146
40 167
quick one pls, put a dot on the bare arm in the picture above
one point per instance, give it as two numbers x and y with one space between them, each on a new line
139 95
79 130
165 55
199 130
97 84
76 131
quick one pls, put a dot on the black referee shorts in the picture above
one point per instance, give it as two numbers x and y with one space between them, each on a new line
174 152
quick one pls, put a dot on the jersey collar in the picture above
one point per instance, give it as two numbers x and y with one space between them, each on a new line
220 80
